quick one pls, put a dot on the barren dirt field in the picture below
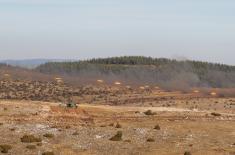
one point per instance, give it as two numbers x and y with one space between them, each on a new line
118 121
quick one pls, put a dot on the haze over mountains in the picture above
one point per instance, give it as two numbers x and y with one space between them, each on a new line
30 63
129 70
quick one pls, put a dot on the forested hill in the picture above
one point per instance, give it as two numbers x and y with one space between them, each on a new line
138 69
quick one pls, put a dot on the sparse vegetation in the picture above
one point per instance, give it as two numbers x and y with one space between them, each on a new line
149 112
39 144
150 140
67 127
5 148
76 133
141 131
111 124
157 127
48 153
30 139
71 105
187 153
48 135
12 129
215 114
31 147
117 137
118 125
128 141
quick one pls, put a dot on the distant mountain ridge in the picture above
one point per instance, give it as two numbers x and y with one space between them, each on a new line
31 63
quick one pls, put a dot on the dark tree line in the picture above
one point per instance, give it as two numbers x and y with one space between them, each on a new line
155 69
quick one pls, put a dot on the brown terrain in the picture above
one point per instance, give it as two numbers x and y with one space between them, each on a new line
35 119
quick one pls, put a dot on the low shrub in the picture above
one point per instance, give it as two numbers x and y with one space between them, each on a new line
215 114
5 148
31 147
48 153
187 153
30 139
150 140
39 144
117 137
157 127
118 125
48 135
149 112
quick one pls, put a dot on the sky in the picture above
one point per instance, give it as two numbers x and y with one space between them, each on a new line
81 29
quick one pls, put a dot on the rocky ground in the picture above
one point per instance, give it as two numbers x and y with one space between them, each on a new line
114 120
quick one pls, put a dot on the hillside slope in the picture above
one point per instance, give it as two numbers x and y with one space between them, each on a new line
18 73
146 70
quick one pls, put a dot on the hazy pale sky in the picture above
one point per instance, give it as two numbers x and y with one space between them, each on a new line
78 29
